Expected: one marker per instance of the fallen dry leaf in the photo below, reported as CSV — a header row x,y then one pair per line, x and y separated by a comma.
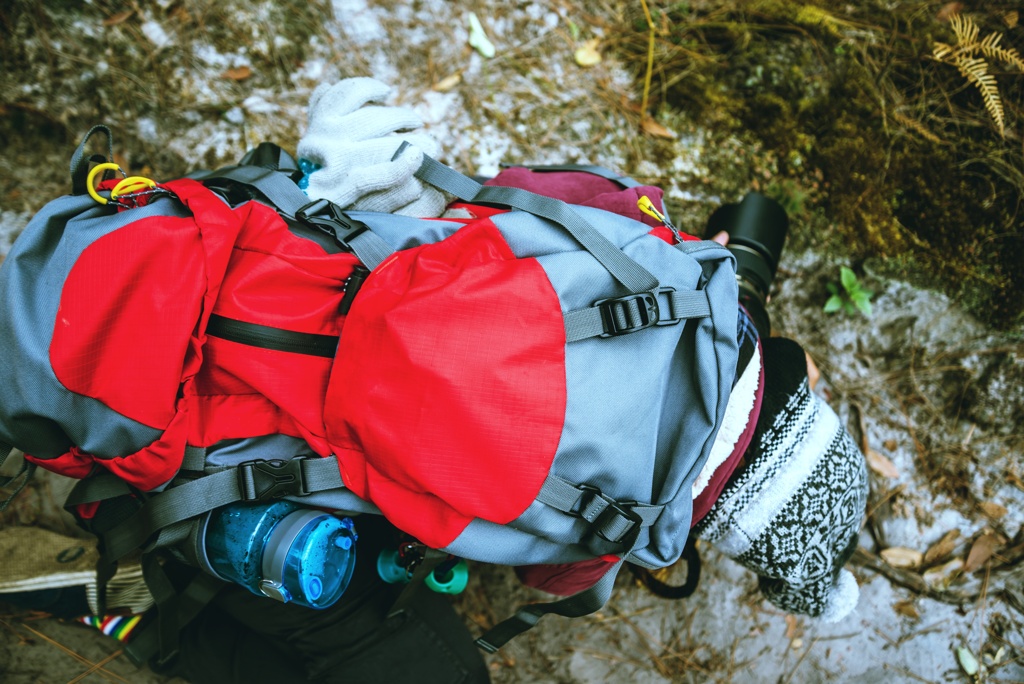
x,y
448,82
652,127
587,55
942,575
992,509
943,547
983,548
889,444
120,17
238,73
881,464
906,609
901,557
1012,18
793,627
967,661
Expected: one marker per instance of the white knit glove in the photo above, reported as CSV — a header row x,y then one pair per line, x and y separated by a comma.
x,y
354,142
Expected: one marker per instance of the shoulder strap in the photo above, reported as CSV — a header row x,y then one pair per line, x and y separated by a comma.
x,y
251,481
286,196
527,616
624,269
25,474
80,162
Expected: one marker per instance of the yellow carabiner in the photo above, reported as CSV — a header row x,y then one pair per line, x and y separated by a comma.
x,y
90,180
131,184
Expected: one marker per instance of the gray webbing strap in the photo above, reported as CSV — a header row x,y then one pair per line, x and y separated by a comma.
x,y
282,192
79,167
369,247
673,306
25,474
212,491
526,617
613,522
97,488
624,269
195,459
431,559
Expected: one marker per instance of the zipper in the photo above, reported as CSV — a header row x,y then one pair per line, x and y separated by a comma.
x,y
645,205
266,337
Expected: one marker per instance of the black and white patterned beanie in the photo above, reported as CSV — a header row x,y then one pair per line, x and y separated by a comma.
x,y
793,513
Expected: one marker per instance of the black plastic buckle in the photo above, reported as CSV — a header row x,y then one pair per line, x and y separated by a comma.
x,y
637,312
260,479
612,510
671,318
624,509
587,495
328,217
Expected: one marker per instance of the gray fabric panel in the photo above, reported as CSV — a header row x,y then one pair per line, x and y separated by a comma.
x,y
36,412
405,232
639,404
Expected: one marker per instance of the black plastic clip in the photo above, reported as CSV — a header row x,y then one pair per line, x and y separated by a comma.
x,y
260,479
328,217
352,285
628,535
607,515
628,314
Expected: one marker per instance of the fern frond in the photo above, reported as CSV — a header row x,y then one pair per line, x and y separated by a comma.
x,y
975,70
915,125
941,52
990,48
965,30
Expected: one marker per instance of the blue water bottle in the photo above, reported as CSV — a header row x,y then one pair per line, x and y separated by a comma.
x,y
282,550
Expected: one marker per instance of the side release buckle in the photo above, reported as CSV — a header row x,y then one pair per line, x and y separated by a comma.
x,y
328,217
261,479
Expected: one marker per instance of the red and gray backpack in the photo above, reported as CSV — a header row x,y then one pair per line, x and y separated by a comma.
x,y
537,383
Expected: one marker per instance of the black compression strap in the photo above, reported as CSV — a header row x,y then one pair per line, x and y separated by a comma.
x,y
526,617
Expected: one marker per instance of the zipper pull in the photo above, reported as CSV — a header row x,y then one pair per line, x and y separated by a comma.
x,y
352,285
645,205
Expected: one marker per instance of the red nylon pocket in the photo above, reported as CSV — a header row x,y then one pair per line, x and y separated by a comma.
x,y
447,398
277,279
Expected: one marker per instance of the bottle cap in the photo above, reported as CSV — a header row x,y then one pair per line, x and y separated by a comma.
x,y
309,558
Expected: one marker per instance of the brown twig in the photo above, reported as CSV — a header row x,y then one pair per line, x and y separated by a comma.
x,y
917,584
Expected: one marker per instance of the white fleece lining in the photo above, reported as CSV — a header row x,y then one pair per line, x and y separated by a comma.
x,y
737,416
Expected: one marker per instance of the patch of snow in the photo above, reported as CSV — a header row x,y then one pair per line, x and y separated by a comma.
x,y
156,34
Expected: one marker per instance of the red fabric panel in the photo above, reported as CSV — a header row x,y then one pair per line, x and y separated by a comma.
x,y
278,279
244,391
448,397
127,310
156,464
131,326
147,468
565,579
73,463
